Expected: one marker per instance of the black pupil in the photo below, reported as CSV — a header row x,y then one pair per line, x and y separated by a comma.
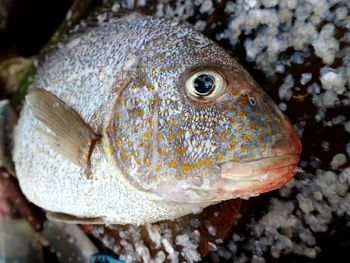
x,y
203,84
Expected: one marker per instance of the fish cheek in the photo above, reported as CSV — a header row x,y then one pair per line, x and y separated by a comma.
x,y
131,133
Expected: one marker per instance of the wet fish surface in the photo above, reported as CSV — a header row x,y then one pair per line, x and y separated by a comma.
x,y
140,119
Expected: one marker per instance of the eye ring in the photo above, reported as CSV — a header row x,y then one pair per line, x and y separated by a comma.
x,y
205,85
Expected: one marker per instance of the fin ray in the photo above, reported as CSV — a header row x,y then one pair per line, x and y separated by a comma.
x,y
65,218
69,135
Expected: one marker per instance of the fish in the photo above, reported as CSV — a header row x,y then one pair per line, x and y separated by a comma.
x,y
138,119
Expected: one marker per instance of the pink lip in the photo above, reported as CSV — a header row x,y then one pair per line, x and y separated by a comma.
x,y
256,177
232,170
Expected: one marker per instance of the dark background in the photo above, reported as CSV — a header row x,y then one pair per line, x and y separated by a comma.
x,y
27,25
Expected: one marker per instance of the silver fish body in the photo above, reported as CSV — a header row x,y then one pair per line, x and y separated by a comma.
x,y
165,149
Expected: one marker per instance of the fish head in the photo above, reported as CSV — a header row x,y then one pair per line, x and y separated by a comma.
x,y
194,127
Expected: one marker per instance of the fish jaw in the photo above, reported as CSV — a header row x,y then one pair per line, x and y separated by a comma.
x,y
255,177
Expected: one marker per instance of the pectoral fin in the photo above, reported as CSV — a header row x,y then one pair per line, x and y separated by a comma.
x,y
64,218
69,135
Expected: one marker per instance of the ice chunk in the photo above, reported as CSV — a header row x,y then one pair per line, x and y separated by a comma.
x,y
328,99
269,3
305,204
339,120
206,7
338,161
285,91
297,58
326,45
333,81
251,3
347,126
314,88
305,78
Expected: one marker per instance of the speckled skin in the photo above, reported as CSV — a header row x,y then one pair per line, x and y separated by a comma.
x,y
160,155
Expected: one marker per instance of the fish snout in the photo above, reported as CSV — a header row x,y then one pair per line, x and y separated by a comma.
x,y
289,143
253,177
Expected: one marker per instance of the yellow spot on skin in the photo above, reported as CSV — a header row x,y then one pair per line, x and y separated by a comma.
x,y
147,135
124,155
235,158
180,150
232,144
156,101
180,132
146,161
173,122
208,161
186,167
110,126
252,126
235,92
223,135
157,168
159,136
118,142
166,151
205,161
243,149
133,153
154,71
160,151
129,142
219,156
155,179
227,107
110,149
172,163
139,112
253,149
151,122
244,100
142,82
245,137
149,86
171,137
241,113
138,161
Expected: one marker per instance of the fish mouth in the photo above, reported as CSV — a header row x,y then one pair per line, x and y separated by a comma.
x,y
246,179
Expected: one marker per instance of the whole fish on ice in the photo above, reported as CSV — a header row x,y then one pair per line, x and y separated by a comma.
x,y
140,119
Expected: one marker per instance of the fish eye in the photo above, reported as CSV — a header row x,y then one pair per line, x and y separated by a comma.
x,y
205,85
